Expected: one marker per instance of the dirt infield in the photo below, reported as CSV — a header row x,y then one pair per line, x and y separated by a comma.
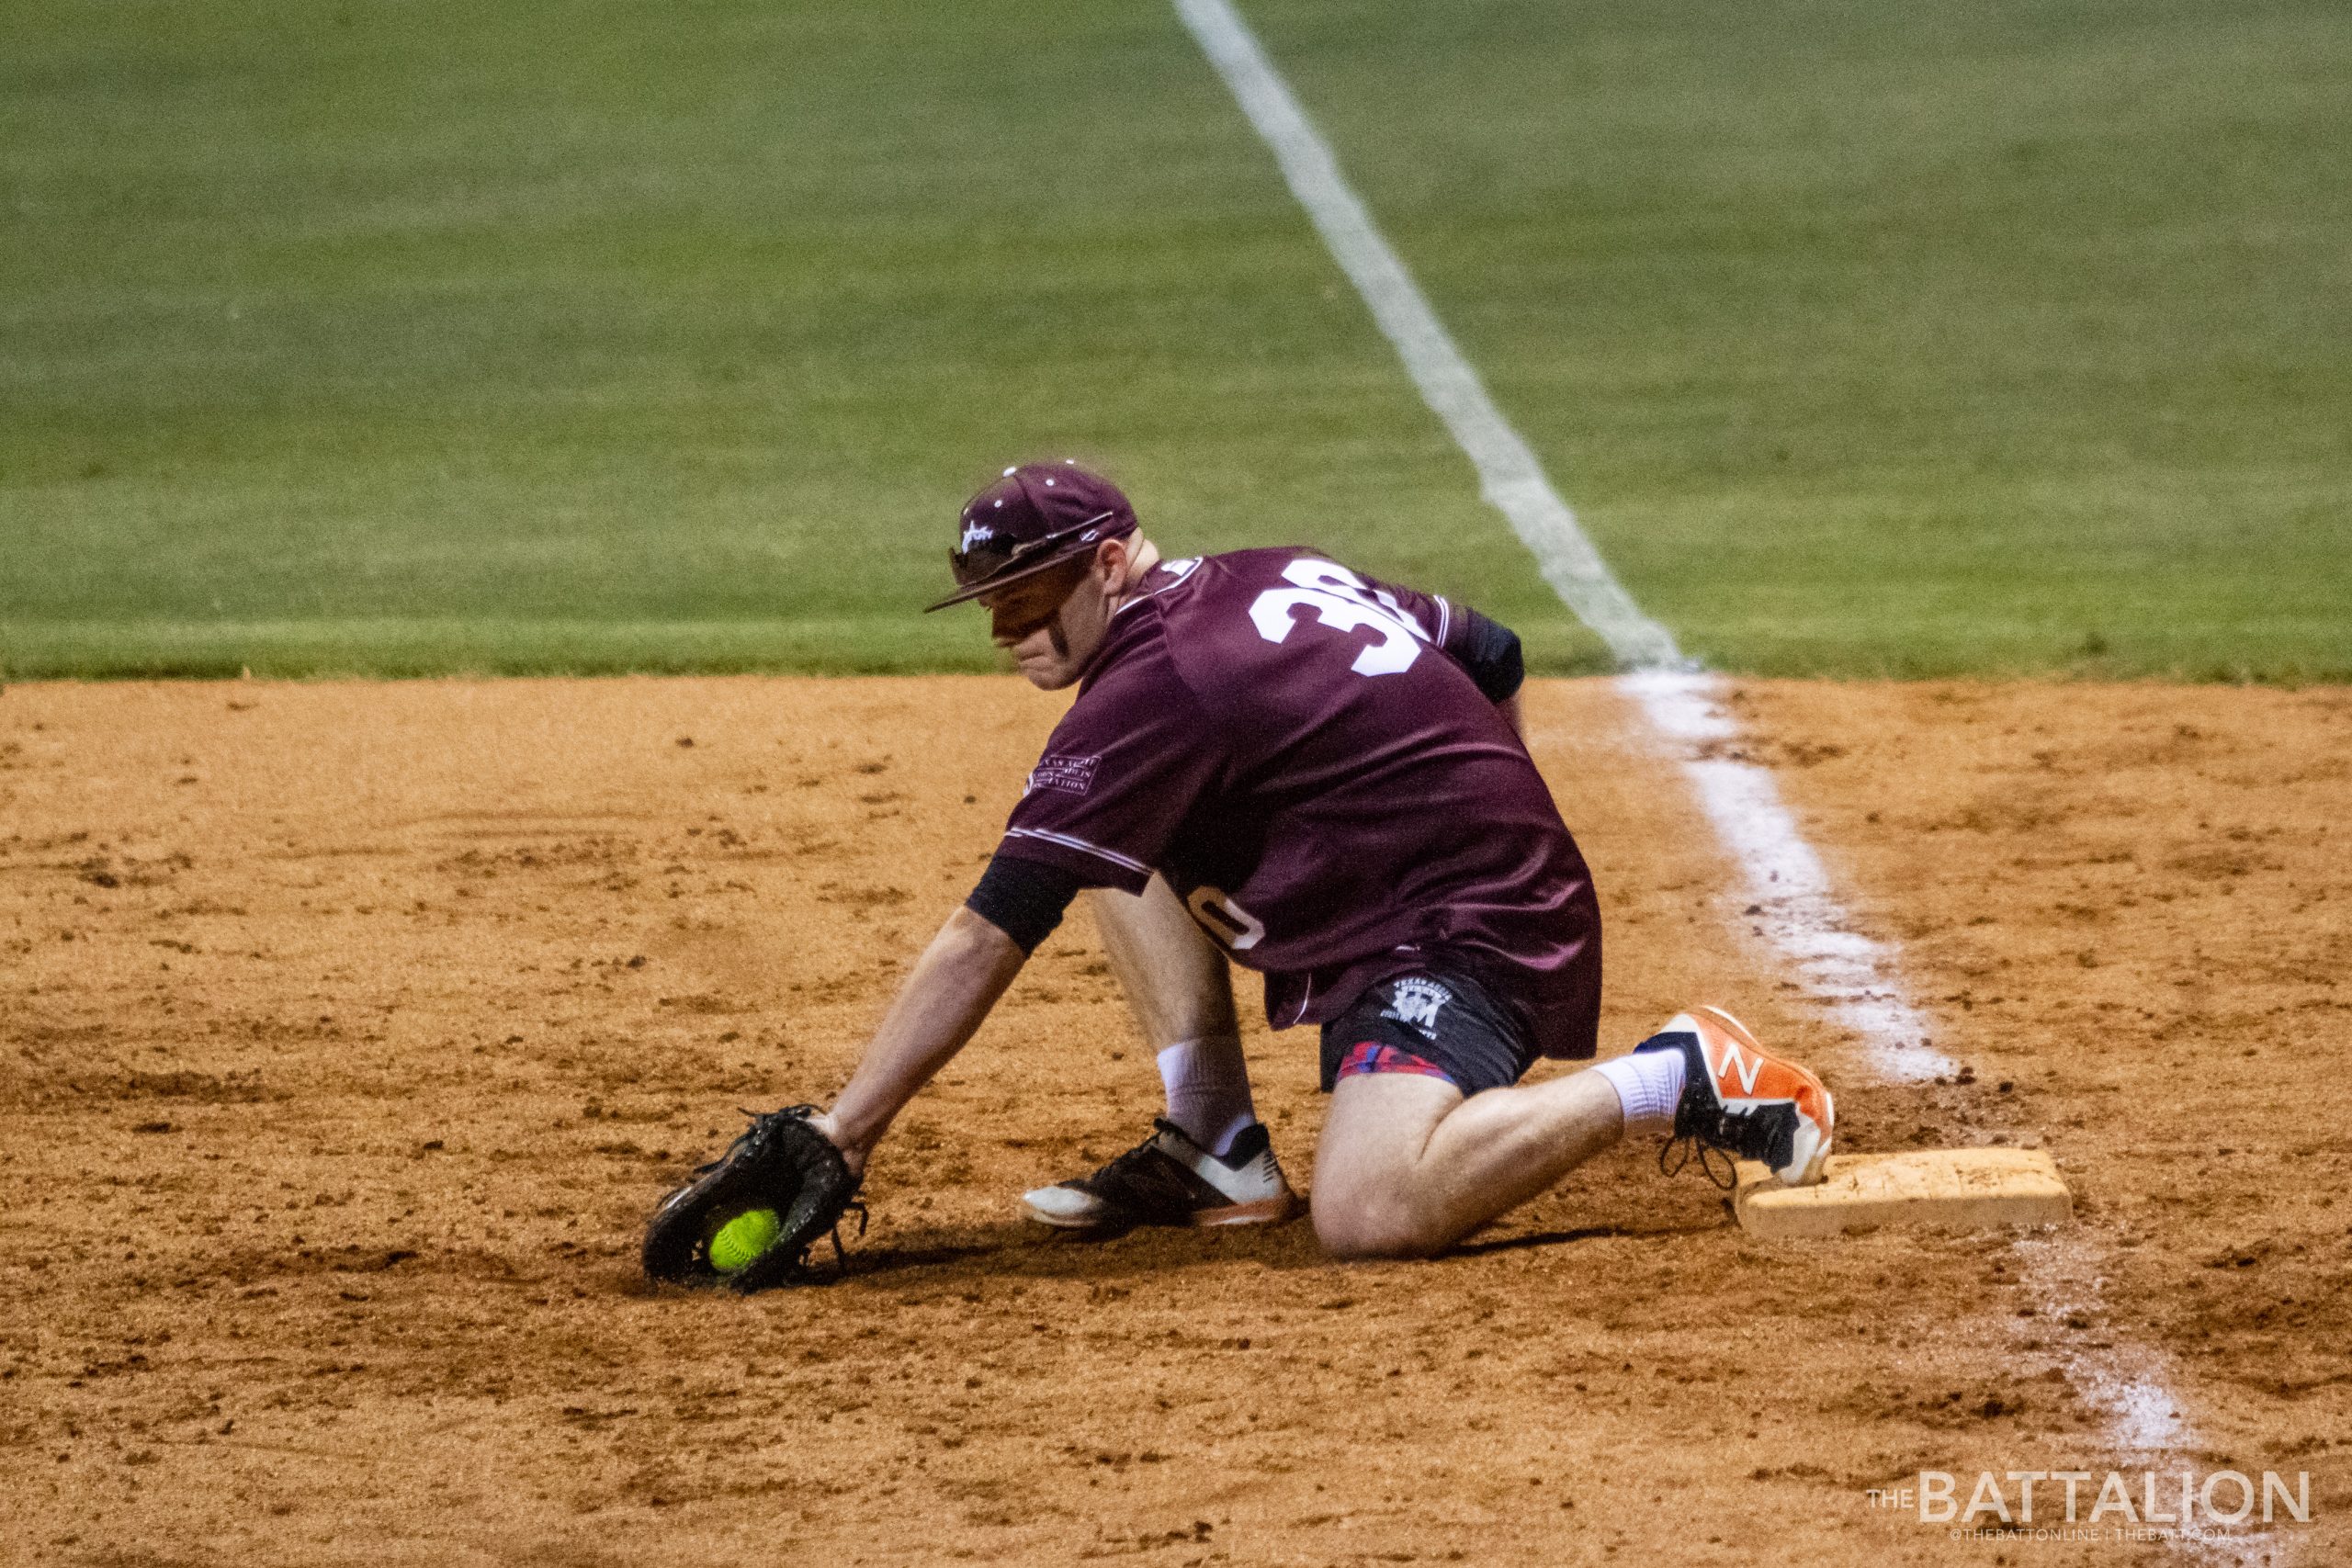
x,y
348,1032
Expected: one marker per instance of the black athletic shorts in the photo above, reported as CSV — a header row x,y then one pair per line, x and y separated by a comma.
x,y
1439,1022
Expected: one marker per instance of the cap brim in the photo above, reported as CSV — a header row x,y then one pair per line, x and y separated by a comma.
x,y
1003,578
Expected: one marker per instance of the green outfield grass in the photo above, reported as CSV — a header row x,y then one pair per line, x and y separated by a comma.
x,y
412,338
1874,338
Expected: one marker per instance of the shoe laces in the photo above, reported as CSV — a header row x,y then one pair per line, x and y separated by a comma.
x,y
1142,1154
1147,1170
1709,1135
1714,1161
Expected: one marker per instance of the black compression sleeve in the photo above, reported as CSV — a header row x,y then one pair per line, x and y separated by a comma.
x,y
1491,654
1023,899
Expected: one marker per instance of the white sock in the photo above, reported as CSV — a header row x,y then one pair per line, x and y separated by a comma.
x,y
1649,1085
1208,1091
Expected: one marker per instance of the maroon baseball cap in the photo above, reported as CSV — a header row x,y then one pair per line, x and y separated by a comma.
x,y
1038,516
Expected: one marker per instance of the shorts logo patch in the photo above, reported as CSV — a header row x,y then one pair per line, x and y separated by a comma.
x,y
1070,775
1413,1002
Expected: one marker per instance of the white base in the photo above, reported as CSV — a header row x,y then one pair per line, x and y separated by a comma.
x,y
1937,1189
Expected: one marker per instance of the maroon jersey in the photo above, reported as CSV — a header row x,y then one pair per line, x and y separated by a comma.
x,y
1300,750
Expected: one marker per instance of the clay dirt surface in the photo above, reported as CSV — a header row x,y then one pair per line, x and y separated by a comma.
x,y
348,1032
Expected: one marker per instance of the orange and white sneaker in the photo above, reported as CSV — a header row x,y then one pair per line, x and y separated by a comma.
x,y
1740,1100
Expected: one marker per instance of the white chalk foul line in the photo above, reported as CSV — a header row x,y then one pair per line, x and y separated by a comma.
x,y
1788,891
1796,907
1508,475
1796,910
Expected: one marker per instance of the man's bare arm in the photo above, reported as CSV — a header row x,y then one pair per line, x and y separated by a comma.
x,y
954,983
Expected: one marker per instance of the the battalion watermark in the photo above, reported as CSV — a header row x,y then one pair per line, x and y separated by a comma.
x,y
2086,1505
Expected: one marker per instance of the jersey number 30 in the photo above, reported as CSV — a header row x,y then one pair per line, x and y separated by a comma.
x,y
1343,601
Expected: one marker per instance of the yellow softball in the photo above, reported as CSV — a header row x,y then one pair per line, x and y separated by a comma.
x,y
743,1238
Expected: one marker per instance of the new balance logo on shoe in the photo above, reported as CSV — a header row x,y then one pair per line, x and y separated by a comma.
x,y
1745,1067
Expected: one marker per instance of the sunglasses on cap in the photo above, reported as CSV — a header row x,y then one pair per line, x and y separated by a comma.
x,y
991,562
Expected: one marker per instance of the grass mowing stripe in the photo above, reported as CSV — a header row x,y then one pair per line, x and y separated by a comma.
x,y
512,318
1858,328
1996,339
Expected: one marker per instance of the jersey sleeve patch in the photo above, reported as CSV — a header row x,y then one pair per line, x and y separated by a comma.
x,y
1070,775
1125,767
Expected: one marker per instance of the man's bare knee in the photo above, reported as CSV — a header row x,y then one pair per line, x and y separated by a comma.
x,y
1388,1226
1370,1197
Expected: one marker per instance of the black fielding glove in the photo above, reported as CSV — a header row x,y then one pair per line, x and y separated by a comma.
x,y
781,1163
